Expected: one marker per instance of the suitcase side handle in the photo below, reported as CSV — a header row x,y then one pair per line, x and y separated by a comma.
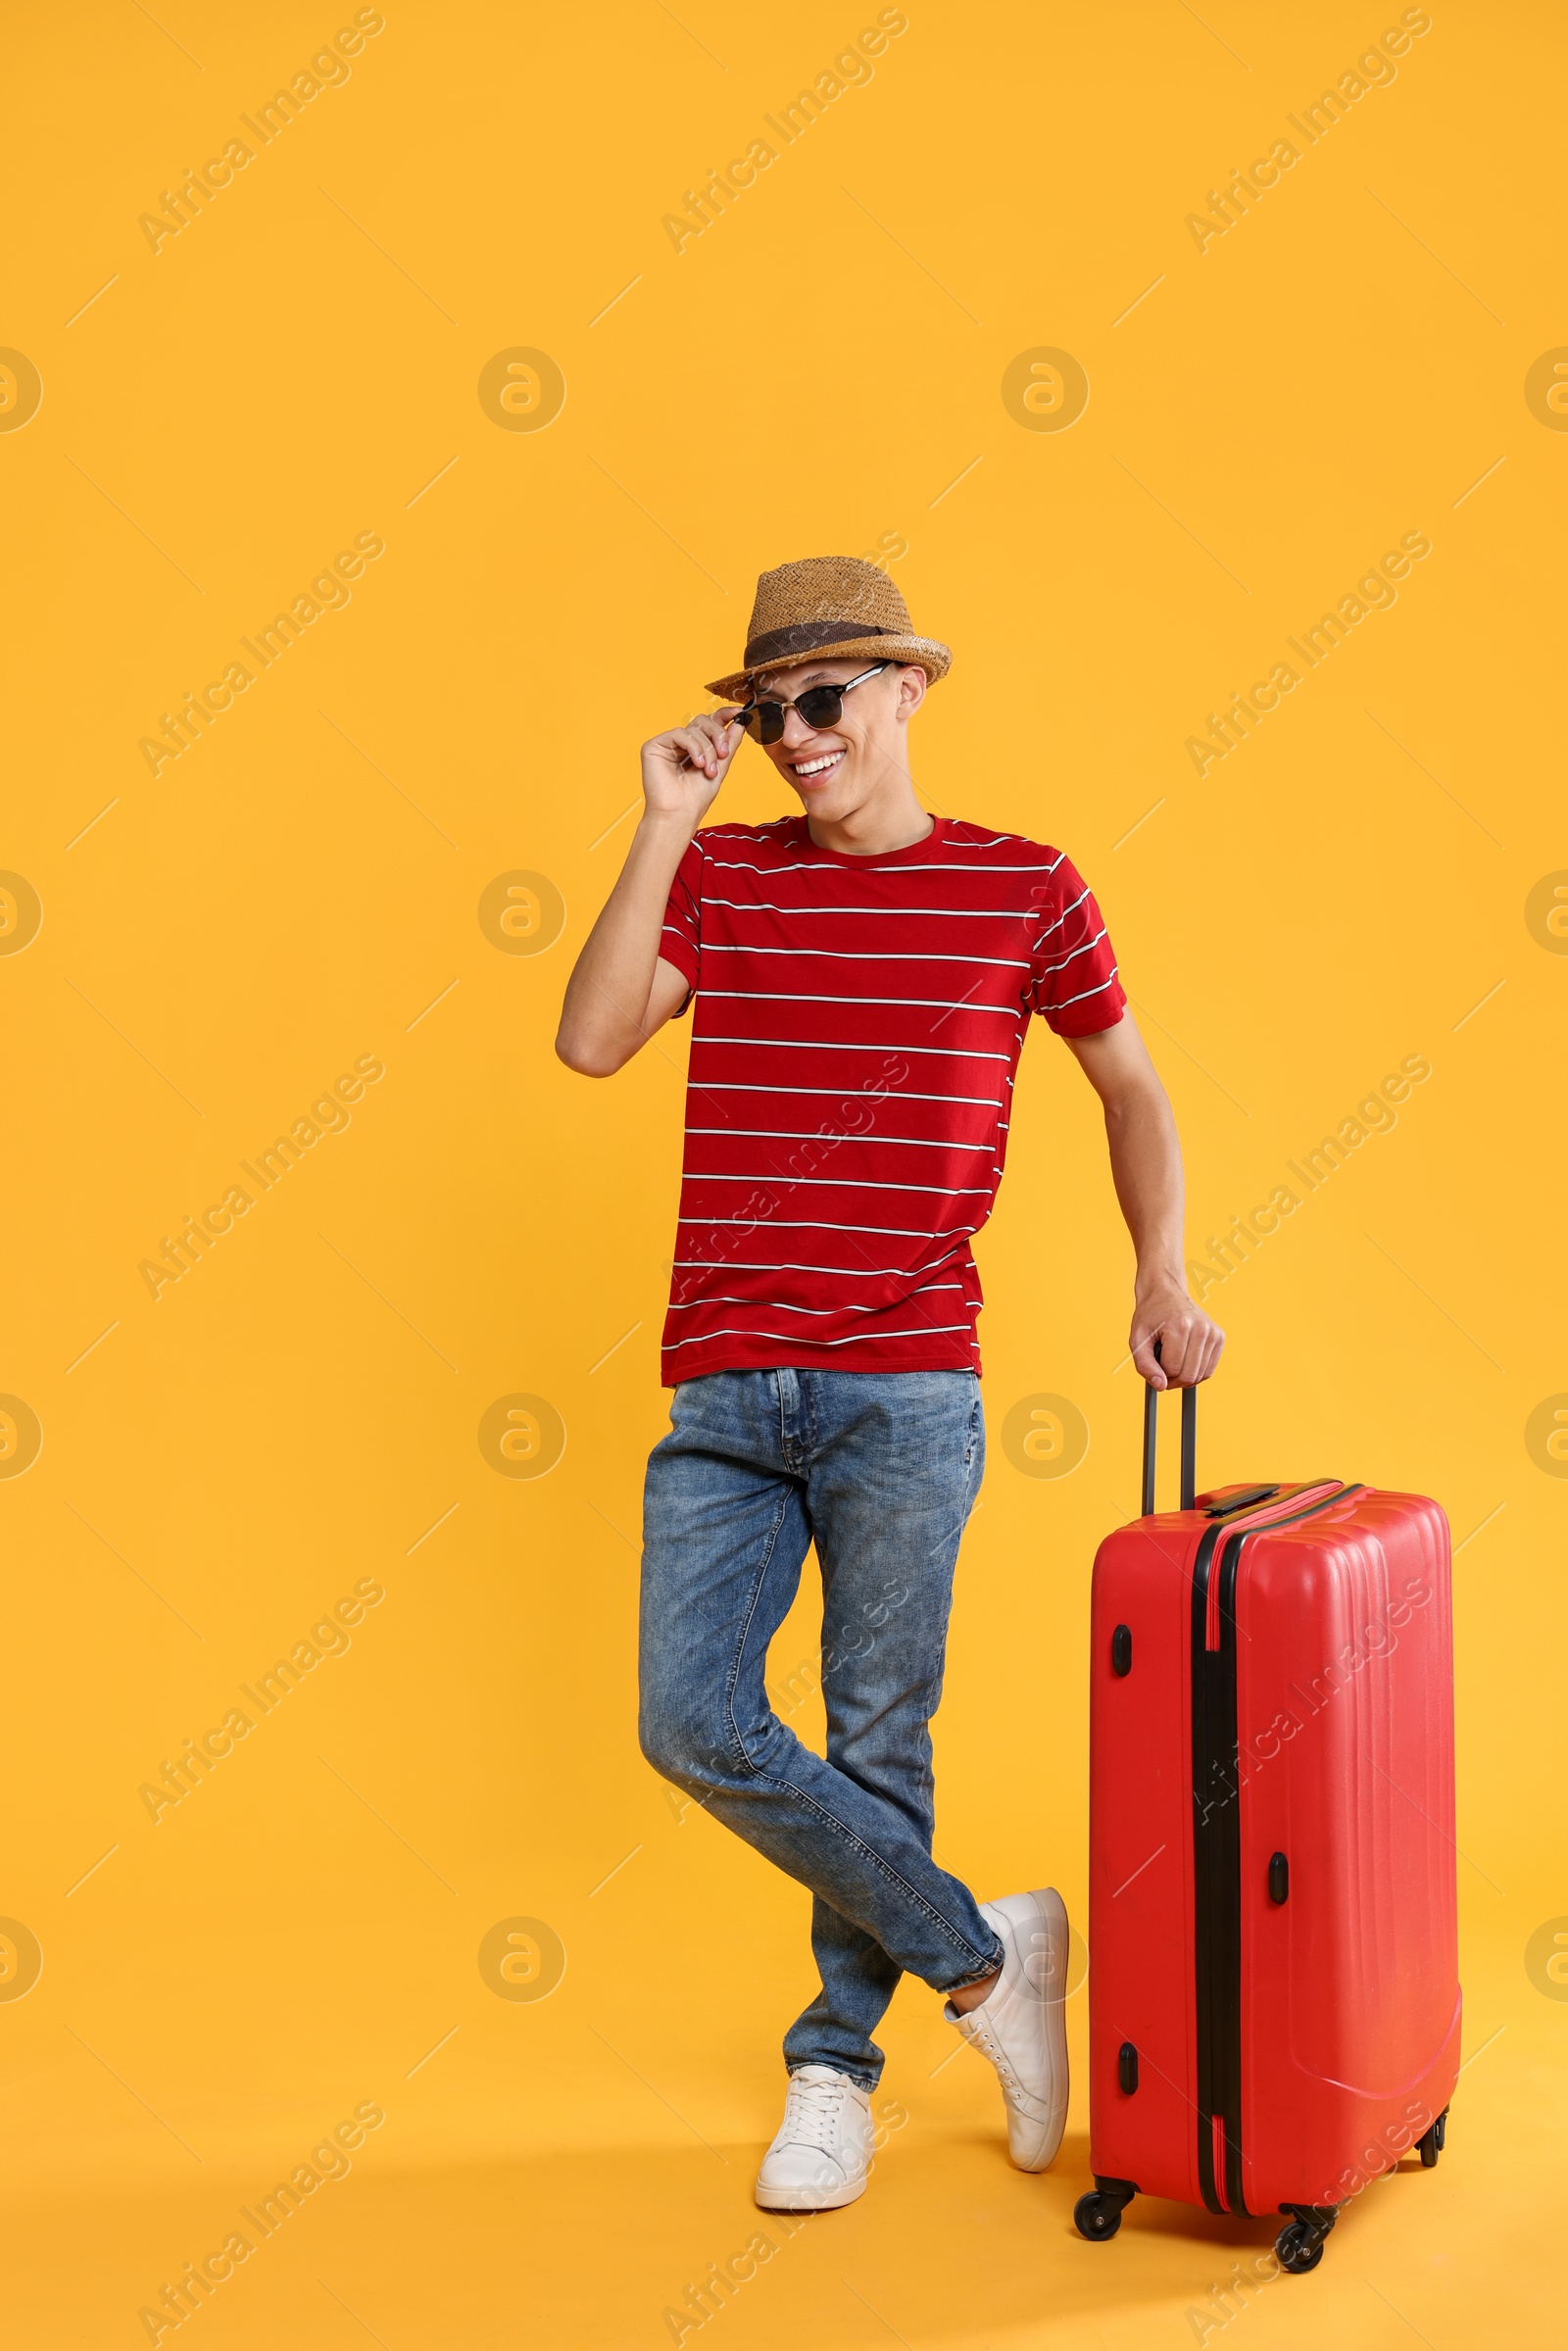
x,y
1246,1500
1189,1485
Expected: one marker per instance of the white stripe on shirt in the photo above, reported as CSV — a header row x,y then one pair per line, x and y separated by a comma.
x,y
846,955
825,1224
1079,998
929,1143
984,1102
817,1045
1072,955
1062,917
930,1004
782,1305
699,1175
765,905
869,865
850,1273
920,1330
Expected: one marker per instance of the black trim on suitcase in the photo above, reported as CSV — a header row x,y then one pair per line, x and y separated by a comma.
x,y
1217,1854
1212,1758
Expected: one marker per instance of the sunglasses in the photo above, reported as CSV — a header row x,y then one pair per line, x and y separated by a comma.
x,y
818,706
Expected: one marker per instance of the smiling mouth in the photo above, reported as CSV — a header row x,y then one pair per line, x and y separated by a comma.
x,y
816,771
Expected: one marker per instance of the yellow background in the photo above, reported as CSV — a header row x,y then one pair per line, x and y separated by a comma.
x,y
297,890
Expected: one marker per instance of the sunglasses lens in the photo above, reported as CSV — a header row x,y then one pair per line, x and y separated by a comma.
x,y
821,706
766,720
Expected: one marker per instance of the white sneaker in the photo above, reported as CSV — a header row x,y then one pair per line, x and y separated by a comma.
x,y
822,2153
1021,2022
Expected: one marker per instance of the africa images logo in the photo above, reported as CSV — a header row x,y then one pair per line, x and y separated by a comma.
x,y
329,69
850,70
328,1114
330,592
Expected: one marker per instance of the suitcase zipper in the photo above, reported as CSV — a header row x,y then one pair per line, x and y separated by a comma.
x,y
1216,1846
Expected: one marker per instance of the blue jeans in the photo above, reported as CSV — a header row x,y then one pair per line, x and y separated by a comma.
x,y
880,1471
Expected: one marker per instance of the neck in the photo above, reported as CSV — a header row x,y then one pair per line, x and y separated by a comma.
x,y
891,820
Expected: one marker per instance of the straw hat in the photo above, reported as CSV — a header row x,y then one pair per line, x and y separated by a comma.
x,y
834,608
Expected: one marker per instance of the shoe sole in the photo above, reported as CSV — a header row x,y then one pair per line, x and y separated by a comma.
x,y
808,2199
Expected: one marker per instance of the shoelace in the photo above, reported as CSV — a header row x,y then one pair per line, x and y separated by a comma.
x,y
811,2110
999,2057
1026,2101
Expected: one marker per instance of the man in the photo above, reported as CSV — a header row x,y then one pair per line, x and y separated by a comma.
x,y
863,977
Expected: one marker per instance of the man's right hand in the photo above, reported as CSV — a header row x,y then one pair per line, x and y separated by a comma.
x,y
682,770
622,989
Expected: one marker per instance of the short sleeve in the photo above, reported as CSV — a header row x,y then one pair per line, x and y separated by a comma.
x,y
681,939
1072,976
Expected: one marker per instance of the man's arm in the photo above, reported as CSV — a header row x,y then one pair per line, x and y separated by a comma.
x,y
1146,1164
622,989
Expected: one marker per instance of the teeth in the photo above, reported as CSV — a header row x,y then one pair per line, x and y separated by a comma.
x,y
815,766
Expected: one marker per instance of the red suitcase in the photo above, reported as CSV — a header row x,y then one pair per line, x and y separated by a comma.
x,y
1273,1987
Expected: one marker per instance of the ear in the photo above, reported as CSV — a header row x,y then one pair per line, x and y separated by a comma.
x,y
912,684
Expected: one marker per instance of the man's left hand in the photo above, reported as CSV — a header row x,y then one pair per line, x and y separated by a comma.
x,y
1190,1343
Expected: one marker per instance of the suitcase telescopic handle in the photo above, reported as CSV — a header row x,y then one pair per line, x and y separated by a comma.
x,y
1188,1486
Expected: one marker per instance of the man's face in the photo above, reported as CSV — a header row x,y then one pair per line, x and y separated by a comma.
x,y
836,769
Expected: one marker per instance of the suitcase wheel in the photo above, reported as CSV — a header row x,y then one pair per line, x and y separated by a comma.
x,y
1430,2143
1099,2216
1095,2218
1299,2247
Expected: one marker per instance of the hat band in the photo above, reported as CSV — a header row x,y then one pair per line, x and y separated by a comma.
x,y
806,636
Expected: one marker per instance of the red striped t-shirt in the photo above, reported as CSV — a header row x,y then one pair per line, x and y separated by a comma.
x,y
857,1025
